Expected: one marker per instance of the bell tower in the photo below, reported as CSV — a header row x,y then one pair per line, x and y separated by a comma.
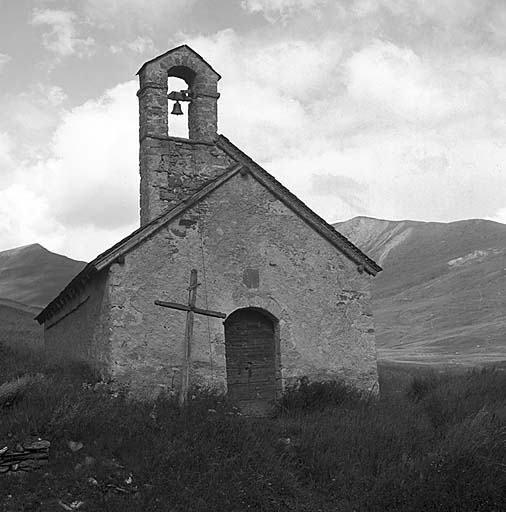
x,y
172,168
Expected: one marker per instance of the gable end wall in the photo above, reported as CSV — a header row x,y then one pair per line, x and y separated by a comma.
x,y
318,295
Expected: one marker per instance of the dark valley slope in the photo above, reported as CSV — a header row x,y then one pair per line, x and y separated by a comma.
x,y
30,277
441,296
18,328
33,276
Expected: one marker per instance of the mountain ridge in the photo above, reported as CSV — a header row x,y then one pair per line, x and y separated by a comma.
x,y
441,294
32,275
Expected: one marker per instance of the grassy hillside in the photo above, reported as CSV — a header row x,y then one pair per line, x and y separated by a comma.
x,y
442,293
33,275
18,327
438,444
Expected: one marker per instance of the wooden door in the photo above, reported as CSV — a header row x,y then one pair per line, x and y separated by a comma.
x,y
250,354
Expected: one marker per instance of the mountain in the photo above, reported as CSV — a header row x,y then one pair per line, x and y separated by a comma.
x,y
442,293
33,276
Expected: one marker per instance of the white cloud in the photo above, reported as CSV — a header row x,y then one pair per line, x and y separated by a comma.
x,y
4,59
63,37
396,130
398,82
274,10
31,116
93,170
84,196
499,215
265,89
136,13
421,139
6,157
55,95
141,44
26,218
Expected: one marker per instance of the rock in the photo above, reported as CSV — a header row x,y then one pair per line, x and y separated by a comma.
x,y
89,461
29,465
3,450
37,445
71,506
17,457
92,481
75,446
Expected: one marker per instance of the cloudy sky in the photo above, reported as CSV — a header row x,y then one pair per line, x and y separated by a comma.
x,y
387,108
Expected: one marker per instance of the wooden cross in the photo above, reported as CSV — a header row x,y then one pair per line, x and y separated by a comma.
x,y
190,309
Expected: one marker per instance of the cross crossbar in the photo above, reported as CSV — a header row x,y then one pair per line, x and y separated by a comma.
x,y
190,309
184,307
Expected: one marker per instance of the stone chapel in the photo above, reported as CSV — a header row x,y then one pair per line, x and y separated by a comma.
x,y
274,292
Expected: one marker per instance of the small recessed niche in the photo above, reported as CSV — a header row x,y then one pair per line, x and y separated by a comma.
x,y
178,125
251,277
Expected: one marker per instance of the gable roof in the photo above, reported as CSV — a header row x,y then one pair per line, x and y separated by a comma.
x,y
244,164
183,47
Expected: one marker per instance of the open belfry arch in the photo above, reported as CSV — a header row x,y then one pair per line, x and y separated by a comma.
x,y
183,167
275,293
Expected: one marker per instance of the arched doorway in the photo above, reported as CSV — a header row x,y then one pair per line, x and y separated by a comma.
x,y
250,347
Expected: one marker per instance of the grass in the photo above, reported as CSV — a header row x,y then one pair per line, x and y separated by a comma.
x,y
439,444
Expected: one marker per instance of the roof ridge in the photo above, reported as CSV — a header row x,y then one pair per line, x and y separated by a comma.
x,y
373,266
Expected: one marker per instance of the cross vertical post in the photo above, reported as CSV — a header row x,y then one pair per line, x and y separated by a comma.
x,y
190,309
188,337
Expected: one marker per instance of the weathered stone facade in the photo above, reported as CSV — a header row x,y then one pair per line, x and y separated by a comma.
x,y
319,298
253,244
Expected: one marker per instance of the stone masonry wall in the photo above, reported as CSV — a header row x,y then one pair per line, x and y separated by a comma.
x,y
321,300
26,457
80,330
173,169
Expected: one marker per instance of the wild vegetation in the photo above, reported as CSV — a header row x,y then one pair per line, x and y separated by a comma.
x,y
436,444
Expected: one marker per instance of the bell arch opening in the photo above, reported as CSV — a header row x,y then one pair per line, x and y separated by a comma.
x,y
252,359
178,122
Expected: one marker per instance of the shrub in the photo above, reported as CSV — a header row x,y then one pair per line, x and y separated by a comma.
x,y
420,386
306,396
14,390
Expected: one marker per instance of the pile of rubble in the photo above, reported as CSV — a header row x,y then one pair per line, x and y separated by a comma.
x,y
29,456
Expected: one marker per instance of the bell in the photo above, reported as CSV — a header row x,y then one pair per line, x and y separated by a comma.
x,y
176,109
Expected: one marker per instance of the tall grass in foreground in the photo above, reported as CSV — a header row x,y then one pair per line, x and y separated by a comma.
x,y
438,446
